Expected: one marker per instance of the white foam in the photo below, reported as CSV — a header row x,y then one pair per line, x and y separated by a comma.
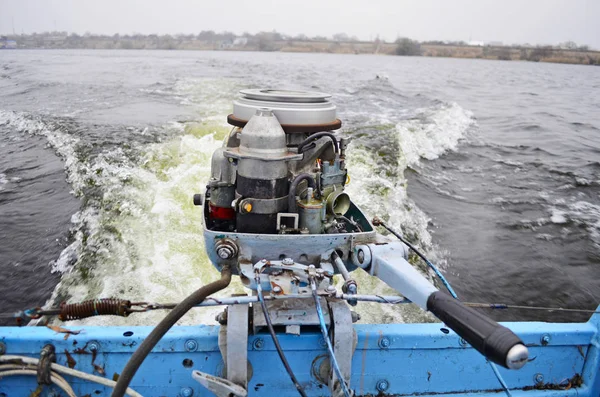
x,y
433,131
3,181
142,238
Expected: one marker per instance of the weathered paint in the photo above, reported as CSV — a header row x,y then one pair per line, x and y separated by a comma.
x,y
420,359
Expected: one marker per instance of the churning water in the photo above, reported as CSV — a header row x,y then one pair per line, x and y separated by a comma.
x,y
492,167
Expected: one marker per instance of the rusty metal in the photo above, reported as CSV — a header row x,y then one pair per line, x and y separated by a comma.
x,y
96,307
293,128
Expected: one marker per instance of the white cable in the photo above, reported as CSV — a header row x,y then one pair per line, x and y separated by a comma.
x,y
31,367
71,372
60,382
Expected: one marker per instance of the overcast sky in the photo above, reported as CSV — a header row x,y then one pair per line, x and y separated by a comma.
x,y
509,21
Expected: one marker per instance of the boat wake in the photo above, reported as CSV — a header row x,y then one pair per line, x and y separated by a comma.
x,y
138,235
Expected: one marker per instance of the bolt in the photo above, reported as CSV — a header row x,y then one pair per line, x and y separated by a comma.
x,y
93,346
258,344
545,339
191,345
288,261
538,378
382,385
355,316
352,289
384,343
463,342
276,289
186,392
331,289
224,253
2,348
263,261
361,256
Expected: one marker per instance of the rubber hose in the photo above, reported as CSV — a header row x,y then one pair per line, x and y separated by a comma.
x,y
294,186
161,329
319,135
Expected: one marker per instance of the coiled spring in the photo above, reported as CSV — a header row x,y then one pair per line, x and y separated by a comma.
x,y
96,307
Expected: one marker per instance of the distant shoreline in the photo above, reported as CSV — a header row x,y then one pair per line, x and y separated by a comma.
x,y
267,42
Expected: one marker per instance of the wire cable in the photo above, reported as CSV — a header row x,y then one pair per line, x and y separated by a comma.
x,y
378,222
10,359
334,362
60,382
284,361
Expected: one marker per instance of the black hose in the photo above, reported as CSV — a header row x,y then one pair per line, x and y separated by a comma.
x,y
294,186
317,136
161,329
284,361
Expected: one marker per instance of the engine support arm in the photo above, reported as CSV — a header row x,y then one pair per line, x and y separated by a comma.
x,y
496,342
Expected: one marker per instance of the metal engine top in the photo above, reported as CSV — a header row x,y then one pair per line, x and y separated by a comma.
x,y
297,111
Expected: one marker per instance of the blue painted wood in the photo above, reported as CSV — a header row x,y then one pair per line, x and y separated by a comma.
x,y
420,359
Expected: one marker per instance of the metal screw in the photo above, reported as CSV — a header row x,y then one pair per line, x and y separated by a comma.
x,y
463,342
538,378
277,289
322,342
331,289
382,385
361,256
545,339
263,261
258,343
2,348
191,345
93,346
287,261
186,392
224,253
384,343
355,316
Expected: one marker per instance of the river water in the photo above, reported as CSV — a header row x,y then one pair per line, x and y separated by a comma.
x,y
493,168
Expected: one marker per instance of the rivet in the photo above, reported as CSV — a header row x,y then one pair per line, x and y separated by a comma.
x,y
191,345
186,392
463,342
382,385
2,348
545,339
384,343
258,343
538,378
93,346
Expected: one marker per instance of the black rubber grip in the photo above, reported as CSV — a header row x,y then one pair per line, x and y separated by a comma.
x,y
487,336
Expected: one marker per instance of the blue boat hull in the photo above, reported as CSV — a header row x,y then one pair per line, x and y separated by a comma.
x,y
419,359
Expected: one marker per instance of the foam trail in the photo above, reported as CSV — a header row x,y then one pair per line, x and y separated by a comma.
x,y
139,237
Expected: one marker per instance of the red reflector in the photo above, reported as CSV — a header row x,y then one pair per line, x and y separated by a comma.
x,y
221,212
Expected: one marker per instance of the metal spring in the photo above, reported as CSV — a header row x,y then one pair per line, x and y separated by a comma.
x,y
96,307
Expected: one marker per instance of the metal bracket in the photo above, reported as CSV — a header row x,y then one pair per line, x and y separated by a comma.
x,y
287,215
344,343
233,344
221,387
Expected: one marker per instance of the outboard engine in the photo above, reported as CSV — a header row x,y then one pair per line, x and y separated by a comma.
x,y
276,214
280,170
